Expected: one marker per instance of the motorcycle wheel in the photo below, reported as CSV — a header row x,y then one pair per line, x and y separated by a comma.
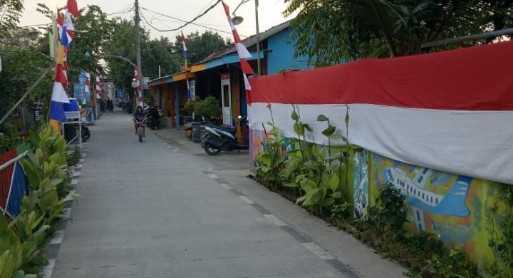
x,y
211,150
86,134
140,133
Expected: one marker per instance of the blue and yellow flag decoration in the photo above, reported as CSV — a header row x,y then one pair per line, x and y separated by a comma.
x,y
63,39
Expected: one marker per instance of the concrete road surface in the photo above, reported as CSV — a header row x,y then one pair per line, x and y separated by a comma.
x,y
158,209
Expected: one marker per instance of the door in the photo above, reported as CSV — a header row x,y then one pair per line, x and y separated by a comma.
x,y
226,99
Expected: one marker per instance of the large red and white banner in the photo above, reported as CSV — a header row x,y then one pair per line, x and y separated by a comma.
x,y
451,111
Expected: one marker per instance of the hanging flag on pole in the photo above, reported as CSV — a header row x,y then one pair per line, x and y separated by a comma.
x,y
241,48
73,8
68,22
185,51
63,34
13,185
185,54
59,97
242,51
64,28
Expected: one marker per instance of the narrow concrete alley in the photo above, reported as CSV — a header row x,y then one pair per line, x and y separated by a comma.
x,y
158,209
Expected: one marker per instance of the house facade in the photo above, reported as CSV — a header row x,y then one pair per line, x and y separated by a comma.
x,y
219,75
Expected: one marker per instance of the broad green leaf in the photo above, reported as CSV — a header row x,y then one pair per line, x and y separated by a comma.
x,y
328,132
299,129
313,197
294,116
322,118
334,182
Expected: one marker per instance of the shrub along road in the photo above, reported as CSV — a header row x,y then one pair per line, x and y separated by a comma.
x,y
164,210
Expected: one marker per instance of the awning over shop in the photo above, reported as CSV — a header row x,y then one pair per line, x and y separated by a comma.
x,y
231,58
227,59
172,78
162,80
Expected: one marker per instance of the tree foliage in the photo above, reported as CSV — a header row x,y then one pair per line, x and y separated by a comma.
x,y
94,31
24,59
10,12
160,52
25,52
201,45
333,30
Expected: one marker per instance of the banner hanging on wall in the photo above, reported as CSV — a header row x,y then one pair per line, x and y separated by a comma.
x,y
450,111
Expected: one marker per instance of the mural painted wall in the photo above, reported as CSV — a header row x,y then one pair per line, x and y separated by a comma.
x,y
456,208
459,209
360,177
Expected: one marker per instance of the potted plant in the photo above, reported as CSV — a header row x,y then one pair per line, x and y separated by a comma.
x,y
207,110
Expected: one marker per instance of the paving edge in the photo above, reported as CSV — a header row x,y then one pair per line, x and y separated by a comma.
x,y
303,239
53,247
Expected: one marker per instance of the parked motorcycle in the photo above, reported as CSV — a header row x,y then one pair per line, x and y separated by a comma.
x,y
217,139
153,115
70,133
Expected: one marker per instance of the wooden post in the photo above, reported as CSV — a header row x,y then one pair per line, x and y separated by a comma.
x,y
177,108
236,104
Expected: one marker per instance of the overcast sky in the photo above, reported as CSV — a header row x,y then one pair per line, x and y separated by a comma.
x,y
270,13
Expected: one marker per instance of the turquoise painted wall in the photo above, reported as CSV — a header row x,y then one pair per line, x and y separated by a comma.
x,y
281,55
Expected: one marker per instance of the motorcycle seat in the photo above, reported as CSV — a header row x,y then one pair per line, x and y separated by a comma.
x,y
228,129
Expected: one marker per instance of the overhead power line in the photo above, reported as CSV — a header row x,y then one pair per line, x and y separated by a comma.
x,y
177,19
35,25
121,12
186,23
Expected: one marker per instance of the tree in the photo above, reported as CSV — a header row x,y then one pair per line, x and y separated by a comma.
x,y
22,65
330,31
10,12
94,32
121,43
201,45
160,52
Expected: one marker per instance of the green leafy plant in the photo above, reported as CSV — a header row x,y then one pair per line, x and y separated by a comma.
x,y
343,211
271,161
312,171
188,107
22,240
74,157
389,215
501,231
208,108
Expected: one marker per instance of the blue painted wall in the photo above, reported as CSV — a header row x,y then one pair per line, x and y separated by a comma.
x,y
281,56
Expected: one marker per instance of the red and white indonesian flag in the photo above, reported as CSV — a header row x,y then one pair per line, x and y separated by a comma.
x,y
451,111
72,8
242,51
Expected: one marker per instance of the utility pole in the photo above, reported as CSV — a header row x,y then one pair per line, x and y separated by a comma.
x,y
137,20
259,65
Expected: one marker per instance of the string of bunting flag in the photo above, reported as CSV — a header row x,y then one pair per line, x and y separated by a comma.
x,y
64,33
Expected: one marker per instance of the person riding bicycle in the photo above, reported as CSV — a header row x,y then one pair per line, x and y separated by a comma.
x,y
138,116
